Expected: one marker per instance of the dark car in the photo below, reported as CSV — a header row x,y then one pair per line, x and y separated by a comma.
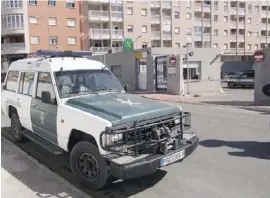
x,y
266,89
3,76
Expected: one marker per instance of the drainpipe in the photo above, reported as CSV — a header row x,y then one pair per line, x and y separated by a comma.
x,y
237,18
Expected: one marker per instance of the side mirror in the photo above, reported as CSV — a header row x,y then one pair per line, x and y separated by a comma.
x,y
46,97
266,89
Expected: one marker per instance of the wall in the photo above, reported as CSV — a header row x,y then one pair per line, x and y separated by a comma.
x,y
127,61
208,71
262,77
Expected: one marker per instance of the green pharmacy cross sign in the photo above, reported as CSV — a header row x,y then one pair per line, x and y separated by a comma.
x,y
128,44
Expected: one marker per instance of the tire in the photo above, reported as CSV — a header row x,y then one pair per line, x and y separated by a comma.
x,y
16,128
85,152
231,84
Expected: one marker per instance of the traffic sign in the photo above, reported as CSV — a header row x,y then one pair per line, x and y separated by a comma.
x,y
258,56
128,44
172,60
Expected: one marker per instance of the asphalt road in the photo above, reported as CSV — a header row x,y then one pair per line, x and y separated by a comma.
x,y
233,160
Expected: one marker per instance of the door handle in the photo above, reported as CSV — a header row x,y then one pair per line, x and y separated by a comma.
x,y
34,105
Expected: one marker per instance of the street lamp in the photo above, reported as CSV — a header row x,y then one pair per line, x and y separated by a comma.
x,y
48,30
136,40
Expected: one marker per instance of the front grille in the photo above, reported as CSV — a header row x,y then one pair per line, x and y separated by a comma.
x,y
144,135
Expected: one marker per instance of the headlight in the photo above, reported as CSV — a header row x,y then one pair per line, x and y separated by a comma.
x,y
177,121
110,139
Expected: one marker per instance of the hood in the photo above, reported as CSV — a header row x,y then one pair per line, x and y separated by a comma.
x,y
121,108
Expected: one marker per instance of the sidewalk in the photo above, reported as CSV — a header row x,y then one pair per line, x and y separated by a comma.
x,y
23,177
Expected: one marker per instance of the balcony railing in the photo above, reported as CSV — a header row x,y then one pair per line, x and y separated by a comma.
x,y
167,35
99,14
166,18
117,34
206,35
166,4
155,34
206,21
14,48
155,3
104,50
206,8
100,33
11,4
197,6
155,18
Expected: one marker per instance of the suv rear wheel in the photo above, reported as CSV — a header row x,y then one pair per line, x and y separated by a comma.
x,y
231,84
88,166
16,128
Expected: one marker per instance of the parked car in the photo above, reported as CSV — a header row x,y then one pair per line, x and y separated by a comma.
x,y
266,89
246,79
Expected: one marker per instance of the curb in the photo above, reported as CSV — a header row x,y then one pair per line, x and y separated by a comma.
x,y
43,167
257,109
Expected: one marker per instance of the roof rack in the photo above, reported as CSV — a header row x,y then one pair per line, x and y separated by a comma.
x,y
57,53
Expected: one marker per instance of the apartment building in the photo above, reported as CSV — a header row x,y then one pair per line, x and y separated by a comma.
x,y
236,27
31,25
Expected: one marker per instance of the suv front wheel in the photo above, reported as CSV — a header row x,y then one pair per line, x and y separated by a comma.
x,y
88,166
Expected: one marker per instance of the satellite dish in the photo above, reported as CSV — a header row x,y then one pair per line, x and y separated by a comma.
x,y
266,89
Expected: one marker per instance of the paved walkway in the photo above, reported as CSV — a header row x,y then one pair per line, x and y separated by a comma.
x,y
23,177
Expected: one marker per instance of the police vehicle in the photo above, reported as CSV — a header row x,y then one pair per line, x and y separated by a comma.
x,y
67,103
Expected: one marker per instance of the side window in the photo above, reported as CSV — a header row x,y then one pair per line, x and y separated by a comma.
x,y
12,80
250,75
244,76
27,83
44,83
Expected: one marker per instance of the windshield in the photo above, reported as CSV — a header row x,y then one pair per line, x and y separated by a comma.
x,y
77,82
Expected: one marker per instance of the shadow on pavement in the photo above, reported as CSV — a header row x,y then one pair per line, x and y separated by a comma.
x,y
60,165
230,103
260,150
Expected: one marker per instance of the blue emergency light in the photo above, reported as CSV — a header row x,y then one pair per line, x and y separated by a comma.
x,y
56,53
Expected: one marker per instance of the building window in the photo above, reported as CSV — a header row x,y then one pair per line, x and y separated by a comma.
x,y
194,70
225,46
71,22
177,3
130,11
130,28
12,80
12,4
52,21
12,21
215,45
188,16
70,4
51,3
144,28
144,45
32,2
249,33
33,20
188,4
256,46
226,32
226,18
177,14
144,12
177,30
216,32
249,20
27,83
53,40
144,1
257,8
177,45
72,40
249,46
188,31
249,8
216,18
34,40
216,5
225,6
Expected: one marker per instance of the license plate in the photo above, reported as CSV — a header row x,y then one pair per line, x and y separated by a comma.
x,y
172,158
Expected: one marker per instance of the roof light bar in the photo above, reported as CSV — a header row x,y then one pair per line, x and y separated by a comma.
x,y
56,53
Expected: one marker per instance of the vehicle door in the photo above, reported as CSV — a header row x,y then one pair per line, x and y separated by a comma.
x,y
44,108
241,80
25,94
250,79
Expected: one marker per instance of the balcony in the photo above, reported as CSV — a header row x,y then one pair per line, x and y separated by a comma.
x,y
198,7
117,34
99,1
11,6
155,35
206,8
207,22
155,4
155,19
264,14
241,24
206,36
97,15
13,48
116,16
100,34
241,11
167,36
167,19
198,36
104,50
167,4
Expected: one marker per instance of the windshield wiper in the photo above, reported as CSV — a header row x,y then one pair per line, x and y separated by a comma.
x,y
106,90
78,93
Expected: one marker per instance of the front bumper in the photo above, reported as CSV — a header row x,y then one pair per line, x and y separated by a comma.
x,y
150,164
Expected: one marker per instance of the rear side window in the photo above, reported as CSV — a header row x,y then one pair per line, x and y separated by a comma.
x,y
44,83
12,80
27,83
